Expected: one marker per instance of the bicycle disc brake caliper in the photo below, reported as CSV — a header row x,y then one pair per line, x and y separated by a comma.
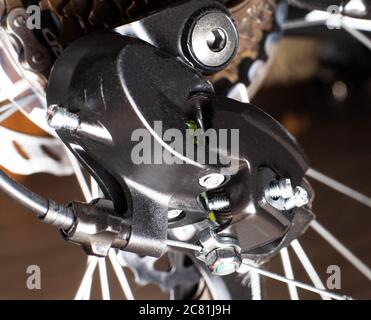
x,y
144,120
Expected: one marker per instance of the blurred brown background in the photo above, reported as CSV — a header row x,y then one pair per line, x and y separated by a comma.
x,y
333,129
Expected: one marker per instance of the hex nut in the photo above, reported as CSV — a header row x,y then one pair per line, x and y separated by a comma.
x,y
223,261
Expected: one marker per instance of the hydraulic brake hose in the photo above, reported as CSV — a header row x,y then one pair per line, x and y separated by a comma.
x,y
47,210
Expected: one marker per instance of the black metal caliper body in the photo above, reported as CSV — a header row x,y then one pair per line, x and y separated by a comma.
x,y
124,87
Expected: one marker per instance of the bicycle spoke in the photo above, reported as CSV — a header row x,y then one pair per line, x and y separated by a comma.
x,y
338,21
125,286
333,184
183,245
289,273
256,292
9,90
104,279
85,286
80,176
295,283
86,295
312,273
357,35
302,23
345,252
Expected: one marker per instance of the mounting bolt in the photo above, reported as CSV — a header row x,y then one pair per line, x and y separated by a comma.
x,y
223,261
218,203
213,40
19,21
280,189
282,196
60,118
37,57
211,181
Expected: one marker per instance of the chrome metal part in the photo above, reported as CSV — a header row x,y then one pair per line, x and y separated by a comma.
x,y
282,196
213,39
36,57
60,118
212,181
221,253
146,272
97,229
223,261
218,203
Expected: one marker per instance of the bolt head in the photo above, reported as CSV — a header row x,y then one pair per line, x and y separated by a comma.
x,y
212,181
213,40
37,57
19,21
223,261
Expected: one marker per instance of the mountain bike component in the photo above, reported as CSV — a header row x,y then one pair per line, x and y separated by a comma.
x,y
315,4
186,279
145,192
211,181
35,57
356,8
221,253
258,23
213,40
282,196
200,32
96,228
60,118
62,23
93,226
146,273
47,210
26,154
218,202
223,261
176,94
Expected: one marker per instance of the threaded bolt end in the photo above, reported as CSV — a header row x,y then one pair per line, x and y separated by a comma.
x,y
218,203
60,118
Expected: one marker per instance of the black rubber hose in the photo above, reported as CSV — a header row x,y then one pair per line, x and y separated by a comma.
x,y
46,210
